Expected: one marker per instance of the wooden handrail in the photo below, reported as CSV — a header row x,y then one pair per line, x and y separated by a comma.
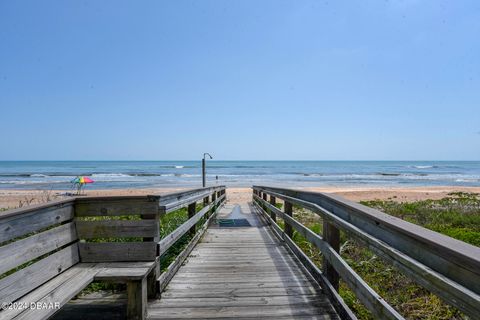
x,y
187,199
371,227
175,235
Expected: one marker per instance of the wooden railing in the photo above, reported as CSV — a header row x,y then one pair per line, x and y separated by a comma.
x,y
447,267
212,199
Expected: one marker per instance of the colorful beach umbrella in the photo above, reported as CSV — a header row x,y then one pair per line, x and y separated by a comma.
x,y
82,180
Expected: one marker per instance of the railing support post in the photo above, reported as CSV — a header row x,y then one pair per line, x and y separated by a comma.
x,y
214,198
273,202
264,197
332,236
191,212
288,209
205,200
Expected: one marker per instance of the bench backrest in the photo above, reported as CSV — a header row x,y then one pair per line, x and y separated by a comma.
x,y
117,228
39,242
36,244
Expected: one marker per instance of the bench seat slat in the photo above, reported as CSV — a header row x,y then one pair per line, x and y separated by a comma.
x,y
47,288
17,253
121,274
60,294
25,280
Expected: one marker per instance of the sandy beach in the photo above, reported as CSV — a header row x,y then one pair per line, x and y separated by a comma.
x,y
11,198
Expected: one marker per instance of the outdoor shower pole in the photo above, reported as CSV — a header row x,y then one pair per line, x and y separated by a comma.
x,y
204,170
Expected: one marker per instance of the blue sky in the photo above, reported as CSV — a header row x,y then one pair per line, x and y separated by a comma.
x,y
326,80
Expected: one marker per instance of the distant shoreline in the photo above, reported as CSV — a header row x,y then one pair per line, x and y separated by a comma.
x,y
10,198
57,175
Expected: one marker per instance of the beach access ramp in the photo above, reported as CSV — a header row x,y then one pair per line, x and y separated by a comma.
x,y
195,254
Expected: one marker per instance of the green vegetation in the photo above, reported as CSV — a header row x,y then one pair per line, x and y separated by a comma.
x,y
457,216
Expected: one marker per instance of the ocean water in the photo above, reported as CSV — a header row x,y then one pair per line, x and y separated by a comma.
x,y
155,174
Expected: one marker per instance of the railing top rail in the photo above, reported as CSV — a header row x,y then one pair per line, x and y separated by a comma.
x,y
182,193
35,207
176,200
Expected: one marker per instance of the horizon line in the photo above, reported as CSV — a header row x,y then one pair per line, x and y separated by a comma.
x,y
250,160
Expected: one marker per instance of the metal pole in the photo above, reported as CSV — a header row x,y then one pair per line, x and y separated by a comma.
x,y
203,173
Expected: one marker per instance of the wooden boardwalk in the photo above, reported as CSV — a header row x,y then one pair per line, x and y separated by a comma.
x,y
241,273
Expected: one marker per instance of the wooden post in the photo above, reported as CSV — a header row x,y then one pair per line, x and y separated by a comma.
x,y
264,197
152,283
191,212
273,202
288,209
205,200
332,236
214,198
137,299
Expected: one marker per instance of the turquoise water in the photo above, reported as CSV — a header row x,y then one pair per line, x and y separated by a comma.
x,y
141,174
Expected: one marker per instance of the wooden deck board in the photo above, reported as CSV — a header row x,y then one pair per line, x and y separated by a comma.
x,y
241,273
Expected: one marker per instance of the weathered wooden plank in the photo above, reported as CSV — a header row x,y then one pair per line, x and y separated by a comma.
x,y
241,292
61,295
21,282
124,275
254,278
50,286
234,268
116,229
183,202
130,264
206,286
25,221
236,301
246,311
239,263
244,258
176,196
169,203
17,253
117,251
115,206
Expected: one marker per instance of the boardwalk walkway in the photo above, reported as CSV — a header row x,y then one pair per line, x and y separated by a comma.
x,y
241,273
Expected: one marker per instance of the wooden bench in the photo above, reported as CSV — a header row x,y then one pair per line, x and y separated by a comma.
x,y
49,253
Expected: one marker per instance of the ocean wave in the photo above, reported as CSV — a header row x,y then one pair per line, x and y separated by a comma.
x,y
38,175
424,167
14,175
27,182
176,167
110,175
